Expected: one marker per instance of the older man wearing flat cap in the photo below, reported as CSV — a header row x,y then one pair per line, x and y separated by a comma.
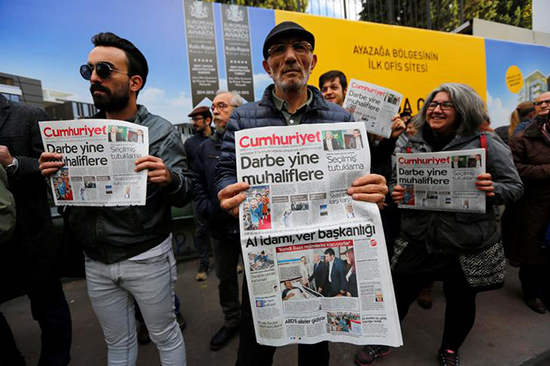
x,y
289,60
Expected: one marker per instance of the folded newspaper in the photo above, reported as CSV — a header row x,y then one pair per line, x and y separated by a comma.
x,y
442,181
99,158
373,105
316,260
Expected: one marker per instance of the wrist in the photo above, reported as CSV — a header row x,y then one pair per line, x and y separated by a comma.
x,y
11,168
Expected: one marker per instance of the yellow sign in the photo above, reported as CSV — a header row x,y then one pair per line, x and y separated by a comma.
x,y
514,79
410,61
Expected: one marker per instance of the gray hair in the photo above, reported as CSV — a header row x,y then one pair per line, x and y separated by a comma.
x,y
470,109
236,99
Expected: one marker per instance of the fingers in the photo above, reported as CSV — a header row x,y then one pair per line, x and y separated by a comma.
x,y
485,176
49,163
369,188
485,184
157,171
149,162
232,196
397,194
397,127
161,176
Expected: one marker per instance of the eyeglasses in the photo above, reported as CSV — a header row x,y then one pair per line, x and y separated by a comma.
x,y
102,69
541,102
196,118
221,106
300,48
445,106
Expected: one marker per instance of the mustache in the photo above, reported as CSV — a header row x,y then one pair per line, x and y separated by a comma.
x,y
98,87
291,69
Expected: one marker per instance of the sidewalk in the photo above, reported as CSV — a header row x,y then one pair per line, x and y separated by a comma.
x,y
506,333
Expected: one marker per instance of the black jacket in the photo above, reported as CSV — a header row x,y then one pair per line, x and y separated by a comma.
x,y
113,234
26,259
205,194
264,114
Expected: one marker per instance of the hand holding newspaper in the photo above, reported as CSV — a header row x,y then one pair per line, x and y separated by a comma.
x,y
442,181
316,261
373,105
98,157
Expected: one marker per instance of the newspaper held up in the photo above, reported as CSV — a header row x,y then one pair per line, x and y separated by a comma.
x,y
442,181
316,260
373,105
99,158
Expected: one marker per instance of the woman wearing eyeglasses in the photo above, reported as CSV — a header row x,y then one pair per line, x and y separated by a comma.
x,y
461,249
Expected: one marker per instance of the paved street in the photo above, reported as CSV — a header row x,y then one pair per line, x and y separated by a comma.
x,y
506,333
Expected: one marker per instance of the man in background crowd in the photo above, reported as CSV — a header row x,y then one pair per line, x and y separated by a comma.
x,y
202,120
27,260
334,86
223,227
542,108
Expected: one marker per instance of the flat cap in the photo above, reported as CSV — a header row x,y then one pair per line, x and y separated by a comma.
x,y
287,29
202,111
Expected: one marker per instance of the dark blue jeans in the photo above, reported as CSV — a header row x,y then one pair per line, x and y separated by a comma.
x,y
201,237
50,309
226,255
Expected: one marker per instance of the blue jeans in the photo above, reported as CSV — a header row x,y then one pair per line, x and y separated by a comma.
x,y
112,289
201,237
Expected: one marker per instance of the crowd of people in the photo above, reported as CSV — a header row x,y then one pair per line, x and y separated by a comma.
x,y
130,264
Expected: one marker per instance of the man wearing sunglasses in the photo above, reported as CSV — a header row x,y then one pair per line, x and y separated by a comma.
x,y
129,248
542,108
289,61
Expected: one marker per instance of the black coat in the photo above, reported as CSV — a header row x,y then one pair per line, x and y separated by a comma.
x,y
205,194
27,259
320,275
525,222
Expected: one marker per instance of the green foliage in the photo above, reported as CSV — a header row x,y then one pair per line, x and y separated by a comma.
x,y
291,5
446,15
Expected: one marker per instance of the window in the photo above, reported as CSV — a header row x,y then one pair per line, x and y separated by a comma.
x,y
6,81
75,110
14,98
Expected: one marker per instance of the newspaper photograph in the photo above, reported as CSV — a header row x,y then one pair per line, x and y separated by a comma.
x,y
442,181
99,158
373,105
316,260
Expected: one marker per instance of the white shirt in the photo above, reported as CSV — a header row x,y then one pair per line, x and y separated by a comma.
x,y
162,248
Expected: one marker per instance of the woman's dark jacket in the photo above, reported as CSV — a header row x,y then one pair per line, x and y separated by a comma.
x,y
462,232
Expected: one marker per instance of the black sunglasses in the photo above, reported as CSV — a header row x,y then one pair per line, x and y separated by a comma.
x,y
102,69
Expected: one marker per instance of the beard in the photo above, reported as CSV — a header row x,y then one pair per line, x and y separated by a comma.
x,y
292,85
110,101
219,125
